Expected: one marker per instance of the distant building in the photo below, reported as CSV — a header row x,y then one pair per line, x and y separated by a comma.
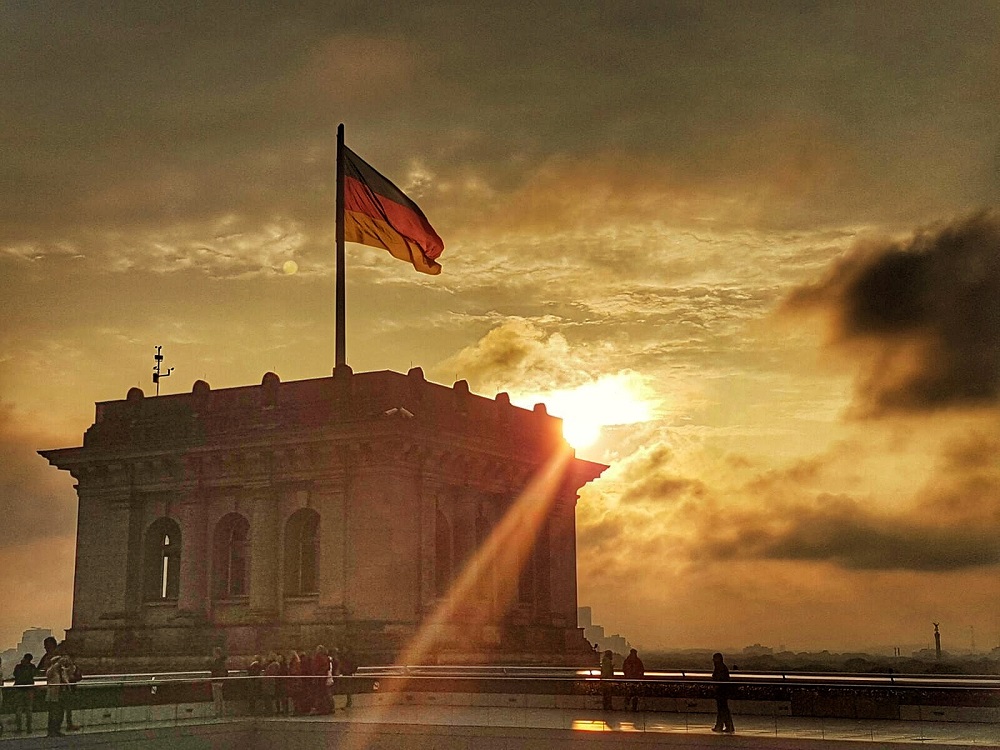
x,y
32,640
594,634
616,643
30,643
757,650
337,510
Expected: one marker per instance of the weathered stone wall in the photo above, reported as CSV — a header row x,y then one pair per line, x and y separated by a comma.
x,y
384,459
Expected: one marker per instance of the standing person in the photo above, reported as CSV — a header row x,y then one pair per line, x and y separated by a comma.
x,y
254,671
347,668
720,674
49,644
334,682
23,696
73,676
281,692
607,674
271,671
55,680
218,671
296,688
320,692
633,669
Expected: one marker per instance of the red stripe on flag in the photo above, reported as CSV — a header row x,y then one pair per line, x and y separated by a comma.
x,y
368,230
414,227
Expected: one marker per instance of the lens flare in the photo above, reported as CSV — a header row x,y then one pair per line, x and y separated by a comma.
x,y
609,400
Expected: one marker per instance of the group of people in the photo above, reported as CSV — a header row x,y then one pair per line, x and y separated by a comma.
x,y
60,672
301,683
634,669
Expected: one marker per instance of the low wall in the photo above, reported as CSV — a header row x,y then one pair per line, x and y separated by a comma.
x,y
241,735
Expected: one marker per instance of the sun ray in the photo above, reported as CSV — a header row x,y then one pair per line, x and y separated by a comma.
x,y
503,553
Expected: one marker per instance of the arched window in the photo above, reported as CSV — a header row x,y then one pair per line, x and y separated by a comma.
x,y
232,552
442,554
163,560
302,553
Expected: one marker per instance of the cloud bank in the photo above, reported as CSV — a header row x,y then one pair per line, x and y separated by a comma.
x,y
922,314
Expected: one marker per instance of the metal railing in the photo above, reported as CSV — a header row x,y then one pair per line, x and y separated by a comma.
x,y
117,701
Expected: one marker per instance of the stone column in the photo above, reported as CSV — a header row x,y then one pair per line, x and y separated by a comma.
x,y
330,501
106,556
562,560
106,594
543,570
192,600
264,556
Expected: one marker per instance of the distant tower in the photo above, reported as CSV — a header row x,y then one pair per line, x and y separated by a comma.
x,y
937,641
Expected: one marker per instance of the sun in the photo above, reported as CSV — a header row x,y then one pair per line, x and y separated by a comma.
x,y
609,400
580,432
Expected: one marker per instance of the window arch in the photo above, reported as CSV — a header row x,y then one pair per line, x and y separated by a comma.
x,y
163,560
232,552
302,553
442,554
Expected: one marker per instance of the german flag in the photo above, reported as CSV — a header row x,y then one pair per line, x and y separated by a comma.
x,y
379,214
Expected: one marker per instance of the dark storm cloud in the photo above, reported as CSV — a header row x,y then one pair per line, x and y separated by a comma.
x,y
159,117
924,314
841,531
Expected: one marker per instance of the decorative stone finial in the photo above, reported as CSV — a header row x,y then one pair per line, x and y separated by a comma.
x,y
200,388
270,379
135,394
416,372
461,386
503,398
540,409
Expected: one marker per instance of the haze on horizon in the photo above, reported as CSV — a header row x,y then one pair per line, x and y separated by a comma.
x,y
768,233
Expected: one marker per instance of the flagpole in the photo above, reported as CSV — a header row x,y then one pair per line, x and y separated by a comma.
x,y
341,355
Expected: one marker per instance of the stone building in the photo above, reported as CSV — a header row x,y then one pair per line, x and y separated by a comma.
x,y
336,510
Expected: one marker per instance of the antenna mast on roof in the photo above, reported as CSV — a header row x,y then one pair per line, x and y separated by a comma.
x,y
158,357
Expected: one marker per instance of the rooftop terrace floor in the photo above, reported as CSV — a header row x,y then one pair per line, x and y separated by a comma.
x,y
506,728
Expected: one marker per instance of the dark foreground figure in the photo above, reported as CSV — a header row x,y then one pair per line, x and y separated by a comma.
x,y
720,674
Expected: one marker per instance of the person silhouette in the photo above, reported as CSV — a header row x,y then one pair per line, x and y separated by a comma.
x,y
633,669
723,717
607,674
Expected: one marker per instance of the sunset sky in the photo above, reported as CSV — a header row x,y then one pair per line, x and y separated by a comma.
x,y
763,236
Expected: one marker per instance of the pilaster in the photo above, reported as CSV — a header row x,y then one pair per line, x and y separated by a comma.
x,y
562,559
264,554
431,489
192,600
106,556
331,504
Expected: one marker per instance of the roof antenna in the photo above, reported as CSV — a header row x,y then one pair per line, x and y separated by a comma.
x,y
158,357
